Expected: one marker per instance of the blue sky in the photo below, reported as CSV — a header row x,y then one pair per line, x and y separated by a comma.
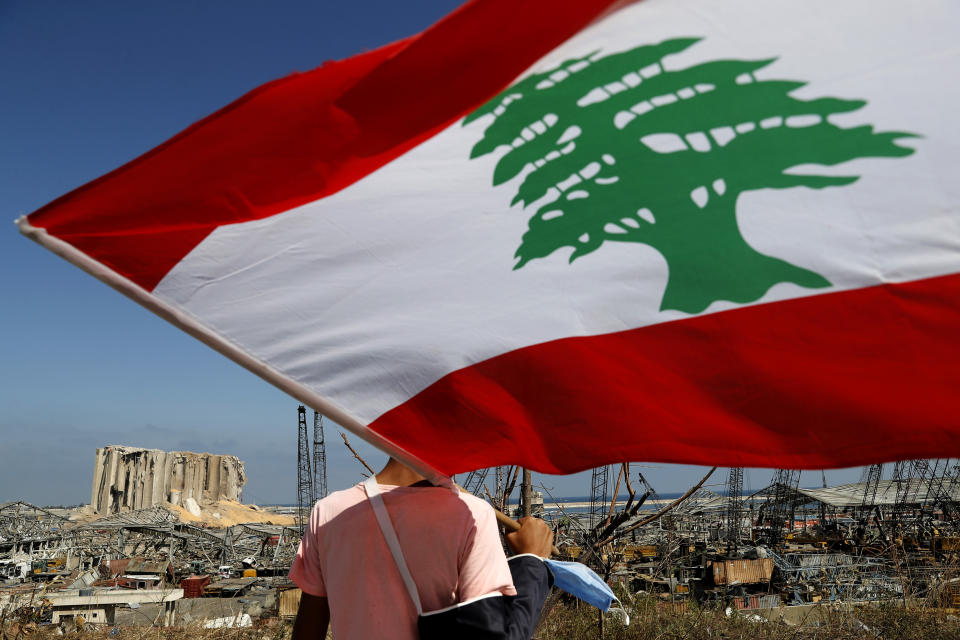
x,y
85,87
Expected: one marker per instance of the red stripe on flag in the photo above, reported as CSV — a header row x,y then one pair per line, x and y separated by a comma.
x,y
277,147
833,380
306,136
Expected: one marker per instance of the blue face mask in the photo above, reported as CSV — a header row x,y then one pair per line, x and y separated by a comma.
x,y
580,580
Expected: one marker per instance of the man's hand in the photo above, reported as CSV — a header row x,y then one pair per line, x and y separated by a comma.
x,y
533,537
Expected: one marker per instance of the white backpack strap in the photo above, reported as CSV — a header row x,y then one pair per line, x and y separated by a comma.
x,y
390,536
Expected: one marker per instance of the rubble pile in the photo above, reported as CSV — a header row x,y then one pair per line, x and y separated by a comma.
x,y
158,521
773,553
786,546
96,570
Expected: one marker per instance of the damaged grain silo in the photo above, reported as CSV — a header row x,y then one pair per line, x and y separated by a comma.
x,y
126,478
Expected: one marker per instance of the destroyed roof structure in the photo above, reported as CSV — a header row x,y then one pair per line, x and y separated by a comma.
x,y
702,500
23,521
156,516
882,493
918,491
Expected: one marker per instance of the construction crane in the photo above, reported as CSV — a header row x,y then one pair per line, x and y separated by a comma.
x,y
734,507
319,459
599,484
304,476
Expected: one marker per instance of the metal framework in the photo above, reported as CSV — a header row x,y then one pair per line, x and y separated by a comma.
x,y
598,495
475,479
785,482
734,507
319,459
936,488
871,480
304,476
950,510
902,478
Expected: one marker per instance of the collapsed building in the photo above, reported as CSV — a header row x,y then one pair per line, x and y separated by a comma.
x,y
781,552
157,521
130,478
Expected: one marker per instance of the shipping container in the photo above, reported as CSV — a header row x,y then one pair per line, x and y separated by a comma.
x,y
731,572
194,585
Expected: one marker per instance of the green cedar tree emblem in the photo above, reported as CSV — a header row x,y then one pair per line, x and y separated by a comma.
x,y
638,153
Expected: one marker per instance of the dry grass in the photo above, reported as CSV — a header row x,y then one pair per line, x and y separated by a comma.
x,y
273,629
650,620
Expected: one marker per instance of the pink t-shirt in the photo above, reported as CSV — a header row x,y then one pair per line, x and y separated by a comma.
x,y
449,540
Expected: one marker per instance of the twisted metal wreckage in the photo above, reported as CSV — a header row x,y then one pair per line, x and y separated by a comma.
x,y
893,538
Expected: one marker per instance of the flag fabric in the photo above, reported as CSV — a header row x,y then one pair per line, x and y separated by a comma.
x,y
563,234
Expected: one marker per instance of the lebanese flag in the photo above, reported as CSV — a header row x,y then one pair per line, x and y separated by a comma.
x,y
563,234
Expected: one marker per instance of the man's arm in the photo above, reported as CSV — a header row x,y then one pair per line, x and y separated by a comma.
x,y
505,617
531,576
313,617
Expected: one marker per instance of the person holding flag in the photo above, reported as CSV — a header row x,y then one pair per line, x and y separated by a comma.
x,y
397,557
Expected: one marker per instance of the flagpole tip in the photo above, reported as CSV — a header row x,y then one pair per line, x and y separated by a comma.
x,y
23,224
